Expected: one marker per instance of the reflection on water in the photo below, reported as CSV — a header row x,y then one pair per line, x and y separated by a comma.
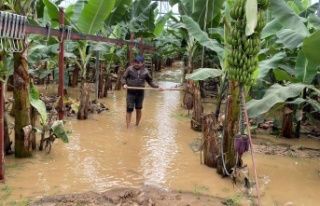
x,y
103,154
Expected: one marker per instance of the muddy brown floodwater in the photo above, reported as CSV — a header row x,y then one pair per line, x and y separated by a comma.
x,y
102,155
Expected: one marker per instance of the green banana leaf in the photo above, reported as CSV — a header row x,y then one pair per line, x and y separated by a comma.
x,y
266,65
272,28
314,104
282,75
58,129
77,9
201,7
276,94
287,17
310,10
305,70
202,37
38,104
160,23
204,73
141,19
290,39
93,15
117,13
201,11
311,47
251,9
296,8
53,12
314,22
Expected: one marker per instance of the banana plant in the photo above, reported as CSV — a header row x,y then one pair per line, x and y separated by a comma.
x,y
294,60
89,21
47,123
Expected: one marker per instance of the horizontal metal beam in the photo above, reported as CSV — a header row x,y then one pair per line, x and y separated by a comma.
x,y
76,36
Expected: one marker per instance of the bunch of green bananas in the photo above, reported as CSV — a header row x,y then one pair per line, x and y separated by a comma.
x,y
243,55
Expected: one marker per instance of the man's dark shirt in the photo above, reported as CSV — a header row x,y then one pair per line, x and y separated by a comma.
x,y
137,77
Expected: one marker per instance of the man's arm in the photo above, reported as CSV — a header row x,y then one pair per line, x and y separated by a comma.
x,y
124,78
149,80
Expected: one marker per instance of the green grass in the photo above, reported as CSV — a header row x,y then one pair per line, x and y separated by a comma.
x,y
19,203
197,191
5,192
233,201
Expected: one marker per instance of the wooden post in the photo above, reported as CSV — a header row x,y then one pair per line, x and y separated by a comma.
x,y
1,132
61,66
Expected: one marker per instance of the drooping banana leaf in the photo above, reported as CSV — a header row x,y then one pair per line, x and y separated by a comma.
x,y
282,75
93,15
310,10
77,9
271,28
290,39
38,104
305,70
202,37
266,65
58,129
120,9
314,21
274,95
142,18
204,73
314,104
287,17
160,23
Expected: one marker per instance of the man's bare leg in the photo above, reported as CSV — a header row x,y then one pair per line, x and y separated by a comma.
x,y
128,118
138,116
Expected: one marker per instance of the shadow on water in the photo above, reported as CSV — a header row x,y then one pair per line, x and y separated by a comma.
x,y
103,154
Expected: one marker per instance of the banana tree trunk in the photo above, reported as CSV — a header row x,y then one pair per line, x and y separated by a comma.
x,y
197,109
108,85
286,130
21,103
75,76
84,101
231,127
121,71
101,79
211,148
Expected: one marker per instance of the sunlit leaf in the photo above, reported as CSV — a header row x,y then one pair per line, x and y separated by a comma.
x,y
251,8
58,129
38,104
204,73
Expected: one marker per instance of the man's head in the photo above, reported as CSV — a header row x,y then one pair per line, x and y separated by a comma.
x,y
138,62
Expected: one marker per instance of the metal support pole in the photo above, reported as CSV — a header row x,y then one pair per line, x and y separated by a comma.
x,y
97,74
61,65
1,132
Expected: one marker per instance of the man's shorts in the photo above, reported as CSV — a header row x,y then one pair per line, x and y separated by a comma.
x,y
134,100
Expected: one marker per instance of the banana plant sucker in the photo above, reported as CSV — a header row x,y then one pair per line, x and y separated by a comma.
x,y
84,59
191,47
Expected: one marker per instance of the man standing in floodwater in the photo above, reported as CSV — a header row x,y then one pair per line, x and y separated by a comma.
x,y
136,76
